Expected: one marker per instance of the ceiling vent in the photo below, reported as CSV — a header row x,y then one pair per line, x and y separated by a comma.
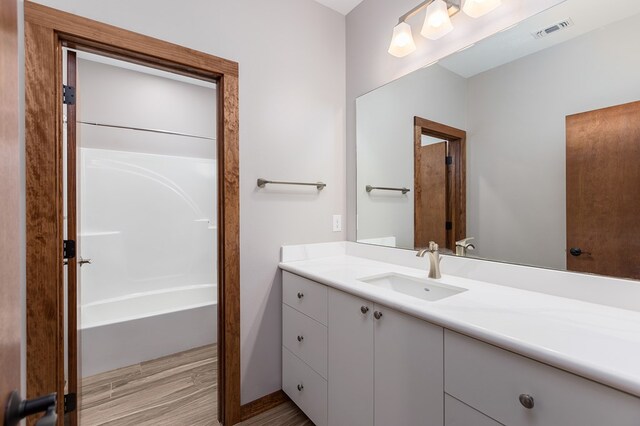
x,y
553,29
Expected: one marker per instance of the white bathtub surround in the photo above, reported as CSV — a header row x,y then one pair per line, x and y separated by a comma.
x,y
587,325
146,223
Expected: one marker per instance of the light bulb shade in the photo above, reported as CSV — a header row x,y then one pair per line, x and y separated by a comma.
x,y
477,8
402,41
437,23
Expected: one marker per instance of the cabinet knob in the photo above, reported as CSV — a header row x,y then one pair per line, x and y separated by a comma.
x,y
377,315
526,401
300,295
364,309
300,338
300,387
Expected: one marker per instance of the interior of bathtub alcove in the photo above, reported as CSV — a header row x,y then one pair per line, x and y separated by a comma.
x,y
147,237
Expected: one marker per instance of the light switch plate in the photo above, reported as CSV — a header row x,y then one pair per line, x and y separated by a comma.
x,y
337,223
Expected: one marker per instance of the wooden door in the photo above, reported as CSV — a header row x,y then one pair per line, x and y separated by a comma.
x,y
350,360
603,202
10,246
409,370
430,215
440,183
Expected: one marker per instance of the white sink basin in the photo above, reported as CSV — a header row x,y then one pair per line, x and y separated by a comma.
x,y
425,289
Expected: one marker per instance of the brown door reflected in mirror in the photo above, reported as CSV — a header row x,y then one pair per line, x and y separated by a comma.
x,y
431,194
440,182
603,177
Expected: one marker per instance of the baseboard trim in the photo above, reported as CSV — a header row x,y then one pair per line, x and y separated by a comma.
x,y
263,404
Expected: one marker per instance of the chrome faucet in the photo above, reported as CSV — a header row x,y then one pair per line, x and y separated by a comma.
x,y
434,259
463,245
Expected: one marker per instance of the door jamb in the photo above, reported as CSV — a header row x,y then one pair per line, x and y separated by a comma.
x,y
456,174
47,30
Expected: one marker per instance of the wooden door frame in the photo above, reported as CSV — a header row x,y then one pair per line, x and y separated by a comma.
x,y
456,174
47,31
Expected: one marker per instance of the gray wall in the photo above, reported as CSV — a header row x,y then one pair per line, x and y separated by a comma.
x,y
154,100
369,29
516,139
385,145
292,85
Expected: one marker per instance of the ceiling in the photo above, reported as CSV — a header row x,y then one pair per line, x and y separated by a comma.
x,y
517,42
342,6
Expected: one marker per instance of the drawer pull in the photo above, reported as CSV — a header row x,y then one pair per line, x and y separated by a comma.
x,y
300,338
377,315
300,295
364,309
300,387
526,401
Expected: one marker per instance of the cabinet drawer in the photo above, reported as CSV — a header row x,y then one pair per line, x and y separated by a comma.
x,y
458,414
306,296
306,388
306,338
491,380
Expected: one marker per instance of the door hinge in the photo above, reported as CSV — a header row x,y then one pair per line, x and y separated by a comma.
x,y
448,226
68,95
68,249
70,402
448,160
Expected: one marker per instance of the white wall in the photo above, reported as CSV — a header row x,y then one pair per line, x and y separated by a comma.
x,y
369,29
516,200
292,85
385,145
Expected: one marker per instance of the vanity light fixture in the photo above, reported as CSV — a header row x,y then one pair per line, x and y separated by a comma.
x,y
402,41
437,22
477,8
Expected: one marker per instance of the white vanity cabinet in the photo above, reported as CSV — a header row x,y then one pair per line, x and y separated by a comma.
x,y
518,391
348,361
378,363
385,367
457,413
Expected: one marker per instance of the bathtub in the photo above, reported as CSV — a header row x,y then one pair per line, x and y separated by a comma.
x,y
139,327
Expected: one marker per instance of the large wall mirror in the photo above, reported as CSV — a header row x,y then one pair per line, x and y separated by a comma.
x,y
528,142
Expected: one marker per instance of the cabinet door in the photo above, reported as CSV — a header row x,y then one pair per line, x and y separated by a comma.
x,y
350,360
458,414
409,388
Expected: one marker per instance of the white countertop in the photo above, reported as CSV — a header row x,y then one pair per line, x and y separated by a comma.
x,y
598,342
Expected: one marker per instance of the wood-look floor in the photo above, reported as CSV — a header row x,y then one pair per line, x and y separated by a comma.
x,y
177,390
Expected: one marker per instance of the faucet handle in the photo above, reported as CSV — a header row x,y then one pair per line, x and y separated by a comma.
x,y
464,242
433,246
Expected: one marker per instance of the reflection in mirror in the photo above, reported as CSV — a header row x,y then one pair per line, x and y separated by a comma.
x,y
528,142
